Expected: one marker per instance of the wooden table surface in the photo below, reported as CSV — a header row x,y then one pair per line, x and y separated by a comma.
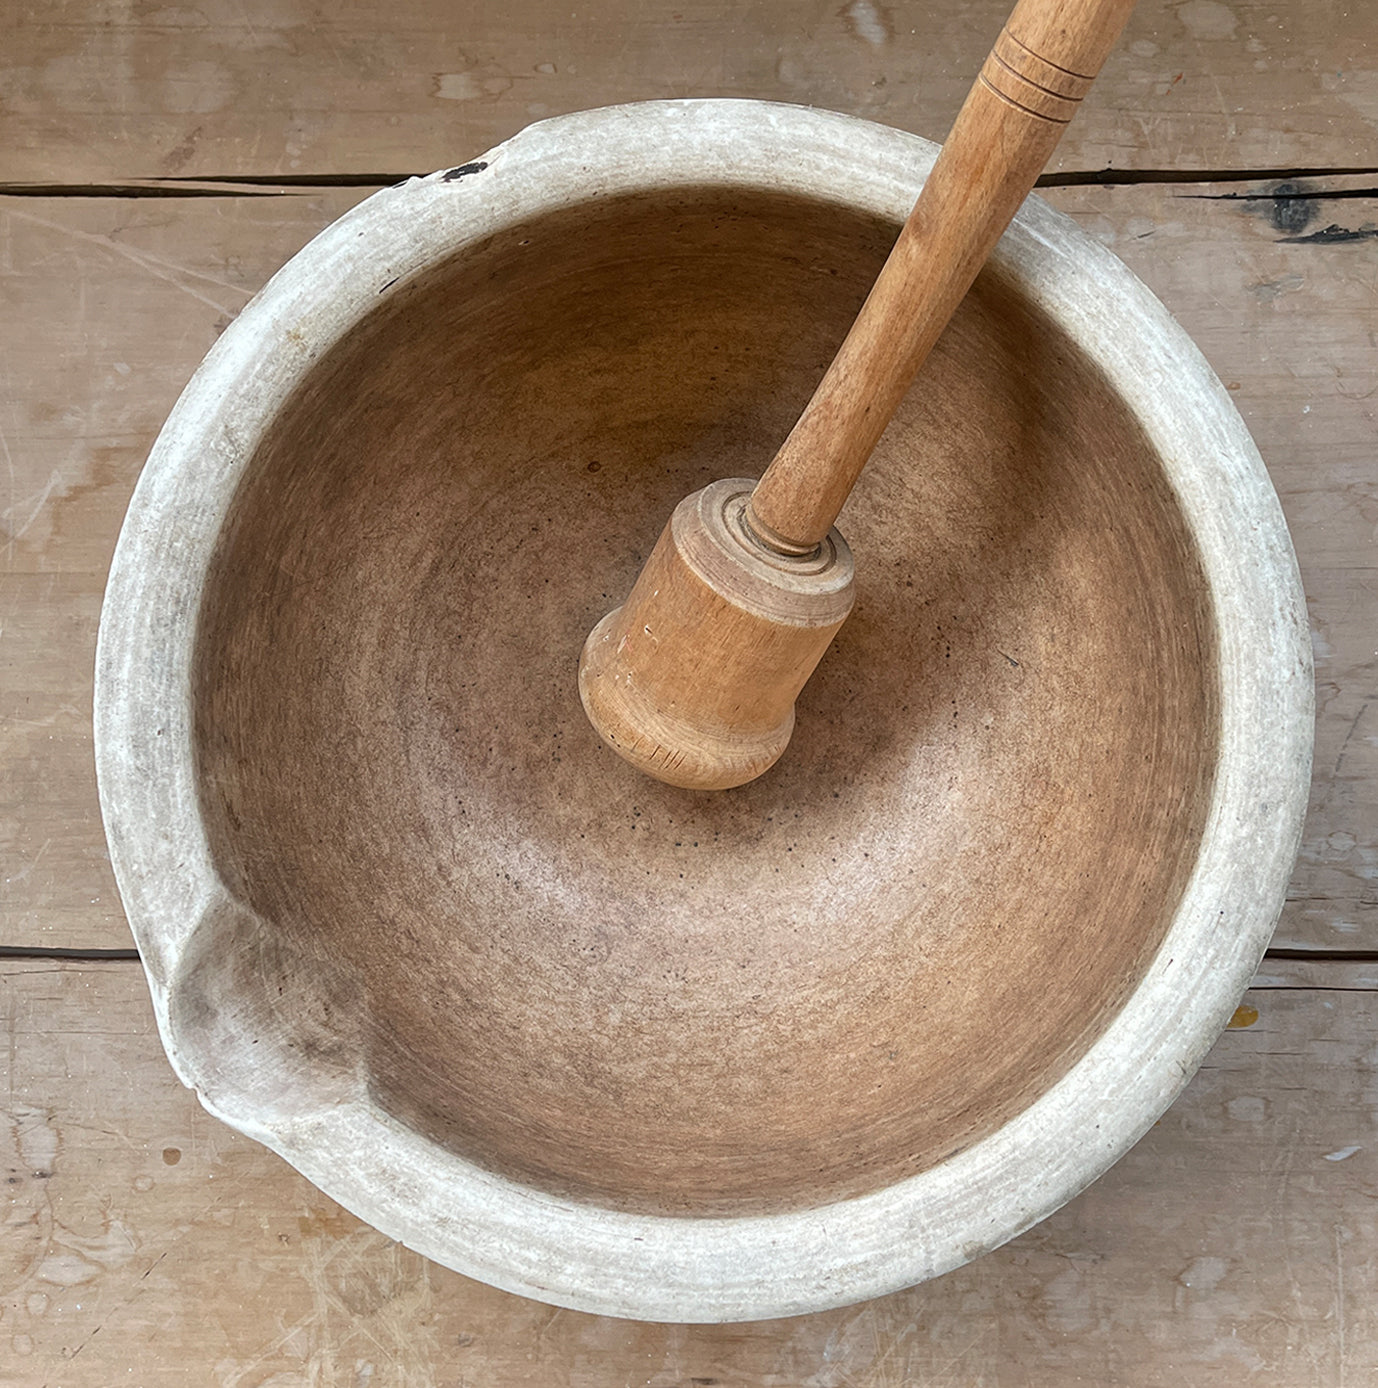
x,y
158,163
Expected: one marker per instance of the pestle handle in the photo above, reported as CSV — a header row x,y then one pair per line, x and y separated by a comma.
x,y
1040,68
694,678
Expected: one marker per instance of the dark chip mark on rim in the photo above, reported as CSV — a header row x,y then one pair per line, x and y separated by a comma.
x,y
464,170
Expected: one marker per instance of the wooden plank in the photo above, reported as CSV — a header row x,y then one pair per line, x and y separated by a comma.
x,y
1284,969
119,298
1279,292
144,1242
101,90
56,886
118,301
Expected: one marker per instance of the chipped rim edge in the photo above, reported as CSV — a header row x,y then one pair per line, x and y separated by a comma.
x,y
718,1269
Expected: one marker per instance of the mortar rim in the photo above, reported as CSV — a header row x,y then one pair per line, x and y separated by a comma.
x,y
696,1269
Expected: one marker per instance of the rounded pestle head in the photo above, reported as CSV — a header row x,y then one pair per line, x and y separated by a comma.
x,y
693,679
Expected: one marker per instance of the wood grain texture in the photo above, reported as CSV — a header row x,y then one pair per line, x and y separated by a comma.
x,y
120,298
92,90
143,1241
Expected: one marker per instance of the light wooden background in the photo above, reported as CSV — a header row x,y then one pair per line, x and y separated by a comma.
x,y
157,162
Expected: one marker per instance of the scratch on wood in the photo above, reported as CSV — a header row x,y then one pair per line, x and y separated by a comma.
x,y
145,260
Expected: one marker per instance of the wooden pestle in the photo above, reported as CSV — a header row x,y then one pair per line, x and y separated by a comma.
x,y
693,679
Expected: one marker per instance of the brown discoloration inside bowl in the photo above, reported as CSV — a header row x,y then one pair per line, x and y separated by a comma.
x,y
600,985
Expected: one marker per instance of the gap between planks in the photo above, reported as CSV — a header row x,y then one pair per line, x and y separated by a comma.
x,y
280,185
1346,971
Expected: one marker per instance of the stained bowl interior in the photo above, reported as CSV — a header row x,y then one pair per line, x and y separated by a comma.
x,y
648,998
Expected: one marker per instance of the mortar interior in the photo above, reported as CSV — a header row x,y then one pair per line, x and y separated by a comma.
x,y
655,999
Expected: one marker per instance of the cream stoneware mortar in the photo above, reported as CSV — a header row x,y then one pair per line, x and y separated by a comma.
x,y
640,1050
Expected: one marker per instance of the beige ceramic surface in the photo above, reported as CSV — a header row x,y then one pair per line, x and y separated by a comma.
x,y
632,1048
